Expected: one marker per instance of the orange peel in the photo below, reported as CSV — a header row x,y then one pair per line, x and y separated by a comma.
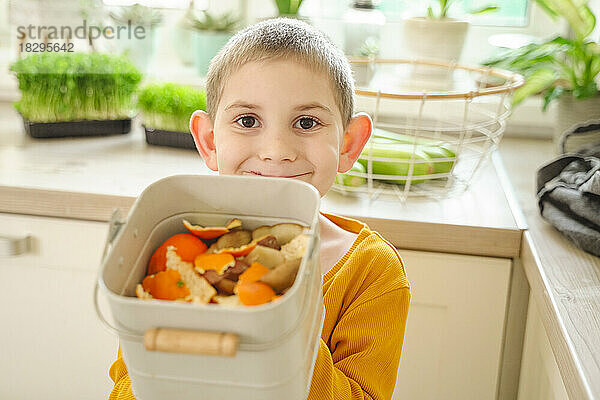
x,y
254,293
253,273
187,247
238,251
166,285
215,261
211,232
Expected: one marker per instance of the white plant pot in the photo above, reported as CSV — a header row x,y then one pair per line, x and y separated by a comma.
x,y
571,111
433,39
183,41
206,45
140,51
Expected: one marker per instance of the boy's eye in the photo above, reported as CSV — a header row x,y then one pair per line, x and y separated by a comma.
x,y
306,123
246,121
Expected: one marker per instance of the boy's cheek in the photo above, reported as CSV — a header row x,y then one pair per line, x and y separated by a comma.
x,y
226,165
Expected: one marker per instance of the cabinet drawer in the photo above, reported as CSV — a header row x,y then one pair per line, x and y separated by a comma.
x,y
55,242
540,376
55,347
454,332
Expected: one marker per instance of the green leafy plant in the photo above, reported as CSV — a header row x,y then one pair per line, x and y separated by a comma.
x,y
138,15
559,66
288,7
226,22
75,86
168,106
444,7
369,48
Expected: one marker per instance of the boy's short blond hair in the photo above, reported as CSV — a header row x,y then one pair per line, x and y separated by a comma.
x,y
282,38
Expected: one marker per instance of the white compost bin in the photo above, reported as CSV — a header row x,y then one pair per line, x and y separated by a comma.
x,y
277,342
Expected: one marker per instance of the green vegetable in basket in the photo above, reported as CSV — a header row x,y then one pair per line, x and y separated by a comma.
x,y
347,179
402,138
439,167
168,106
397,160
75,86
430,147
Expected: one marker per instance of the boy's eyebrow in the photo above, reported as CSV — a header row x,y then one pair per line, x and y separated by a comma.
x,y
302,107
241,104
309,106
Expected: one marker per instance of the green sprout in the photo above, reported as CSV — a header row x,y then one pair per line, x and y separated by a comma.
x,y
168,106
75,86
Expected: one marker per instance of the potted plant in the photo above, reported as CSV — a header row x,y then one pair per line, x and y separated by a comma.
x,y
437,36
362,66
139,48
563,69
211,33
166,109
183,35
289,8
75,94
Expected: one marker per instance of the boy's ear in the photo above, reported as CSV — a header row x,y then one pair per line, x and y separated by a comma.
x,y
202,130
356,136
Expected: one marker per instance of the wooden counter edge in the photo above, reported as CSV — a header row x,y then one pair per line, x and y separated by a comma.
x,y
569,366
410,235
447,238
62,204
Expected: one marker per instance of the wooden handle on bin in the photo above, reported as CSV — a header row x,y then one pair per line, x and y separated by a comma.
x,y
191,342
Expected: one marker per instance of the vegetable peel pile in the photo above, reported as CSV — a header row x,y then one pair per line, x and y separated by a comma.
x,y
239,268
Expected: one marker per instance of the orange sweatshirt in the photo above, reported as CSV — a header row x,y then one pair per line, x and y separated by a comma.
x,y
366,296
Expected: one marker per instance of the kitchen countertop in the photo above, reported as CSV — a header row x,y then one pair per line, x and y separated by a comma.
x,y
87,178
564,280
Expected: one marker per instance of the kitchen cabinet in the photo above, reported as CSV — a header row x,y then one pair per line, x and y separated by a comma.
x,y
56,348
53,346
455,329
540,376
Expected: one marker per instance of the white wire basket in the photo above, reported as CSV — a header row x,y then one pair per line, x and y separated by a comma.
x,y
435,124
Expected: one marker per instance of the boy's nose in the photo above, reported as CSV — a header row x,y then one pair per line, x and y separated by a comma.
x,y
277,148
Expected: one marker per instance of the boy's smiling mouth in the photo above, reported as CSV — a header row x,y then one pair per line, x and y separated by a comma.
x,y
275,175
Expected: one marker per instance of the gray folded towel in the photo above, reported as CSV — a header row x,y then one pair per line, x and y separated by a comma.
x,y
592,185
568,193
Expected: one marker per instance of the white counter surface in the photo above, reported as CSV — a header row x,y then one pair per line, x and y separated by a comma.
x,y
37,176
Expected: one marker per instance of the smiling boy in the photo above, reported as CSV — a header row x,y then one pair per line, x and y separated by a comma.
x,y
280,103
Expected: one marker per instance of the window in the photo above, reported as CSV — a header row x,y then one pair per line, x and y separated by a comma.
x,y
511,12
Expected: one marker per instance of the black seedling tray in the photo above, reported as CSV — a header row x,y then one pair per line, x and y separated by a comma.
x,y
159,137
44,130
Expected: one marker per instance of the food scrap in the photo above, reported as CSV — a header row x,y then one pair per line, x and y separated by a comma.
x,y
225,266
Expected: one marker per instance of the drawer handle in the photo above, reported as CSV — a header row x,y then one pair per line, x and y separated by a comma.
x,y
14,246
